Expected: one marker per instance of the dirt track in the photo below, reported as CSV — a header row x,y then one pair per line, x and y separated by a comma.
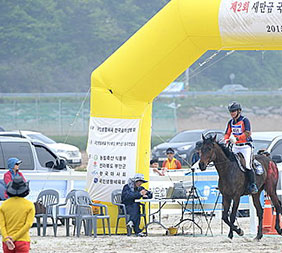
x,y
158,242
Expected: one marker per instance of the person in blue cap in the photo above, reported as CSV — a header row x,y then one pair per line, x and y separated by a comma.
x,y
130,192
13,166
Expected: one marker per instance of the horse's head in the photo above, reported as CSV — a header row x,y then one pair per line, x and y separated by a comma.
x,y
207,152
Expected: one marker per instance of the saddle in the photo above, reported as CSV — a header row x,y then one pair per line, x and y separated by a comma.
x,y
256,165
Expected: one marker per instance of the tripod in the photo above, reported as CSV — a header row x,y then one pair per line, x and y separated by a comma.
x,y
193,195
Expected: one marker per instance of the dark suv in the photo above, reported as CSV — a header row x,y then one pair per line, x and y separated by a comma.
x,y
183,144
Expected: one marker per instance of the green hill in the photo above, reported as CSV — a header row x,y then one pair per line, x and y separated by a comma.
x,y
52,45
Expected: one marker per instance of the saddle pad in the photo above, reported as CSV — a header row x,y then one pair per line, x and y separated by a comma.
x,y
258,167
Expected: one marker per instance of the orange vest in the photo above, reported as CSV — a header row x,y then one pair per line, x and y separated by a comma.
x,y
170,165
237,129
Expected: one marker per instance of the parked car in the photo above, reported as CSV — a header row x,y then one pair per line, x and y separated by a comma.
x,y
233,88
69,152
269,141
183,144
35,156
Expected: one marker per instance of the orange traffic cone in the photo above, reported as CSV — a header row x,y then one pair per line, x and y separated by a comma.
x,y
267,217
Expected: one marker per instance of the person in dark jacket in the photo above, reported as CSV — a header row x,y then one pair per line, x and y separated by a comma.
x,y
196,155
130,192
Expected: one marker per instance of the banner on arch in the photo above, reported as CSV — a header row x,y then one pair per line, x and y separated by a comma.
x,y
112,150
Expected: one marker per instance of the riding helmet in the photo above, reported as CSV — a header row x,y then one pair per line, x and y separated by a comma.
x,y
234,106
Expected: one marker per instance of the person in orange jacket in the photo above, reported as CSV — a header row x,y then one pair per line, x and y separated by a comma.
x,y
238,132
171,163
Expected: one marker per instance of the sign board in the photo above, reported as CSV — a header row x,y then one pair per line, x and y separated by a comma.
x,y
112,149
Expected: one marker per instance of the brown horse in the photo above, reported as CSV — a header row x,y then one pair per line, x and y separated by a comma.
x,y
233,183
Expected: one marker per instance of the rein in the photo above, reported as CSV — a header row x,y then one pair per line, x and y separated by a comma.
x,y
219,163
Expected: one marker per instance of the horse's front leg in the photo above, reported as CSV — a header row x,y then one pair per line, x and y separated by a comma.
x,y
235,206
226,205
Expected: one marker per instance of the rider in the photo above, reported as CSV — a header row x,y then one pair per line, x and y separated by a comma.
x,y
238,132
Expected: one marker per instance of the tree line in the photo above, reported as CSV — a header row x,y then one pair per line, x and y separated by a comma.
x,y
53,46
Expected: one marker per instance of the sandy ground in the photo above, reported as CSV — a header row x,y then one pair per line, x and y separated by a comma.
x,y
157,241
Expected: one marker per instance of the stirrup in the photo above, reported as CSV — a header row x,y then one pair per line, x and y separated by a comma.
x,y
253,188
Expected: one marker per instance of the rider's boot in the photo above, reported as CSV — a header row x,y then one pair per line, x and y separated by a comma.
x,y
252,185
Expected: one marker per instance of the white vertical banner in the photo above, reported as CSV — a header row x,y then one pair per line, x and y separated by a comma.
x,y
112,150
247,20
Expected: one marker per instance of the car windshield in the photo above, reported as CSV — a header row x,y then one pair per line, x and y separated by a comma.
x,y
186,137
41,138
260,144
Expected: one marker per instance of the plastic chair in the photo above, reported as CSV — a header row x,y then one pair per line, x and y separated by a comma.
x,y
70,211
116,200
85,214
49,198
83,200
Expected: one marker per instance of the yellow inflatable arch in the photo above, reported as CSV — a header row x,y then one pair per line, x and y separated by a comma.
x,y
124,86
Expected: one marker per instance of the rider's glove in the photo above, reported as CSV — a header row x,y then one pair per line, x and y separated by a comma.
x,y
233,139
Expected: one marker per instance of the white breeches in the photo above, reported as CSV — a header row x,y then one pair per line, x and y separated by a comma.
x,y
246,150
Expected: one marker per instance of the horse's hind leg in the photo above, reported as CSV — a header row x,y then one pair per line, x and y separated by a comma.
x,y
259,213
277,204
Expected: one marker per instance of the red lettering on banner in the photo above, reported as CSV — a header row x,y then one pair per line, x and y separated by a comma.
x,y
240,6
234,6
246,7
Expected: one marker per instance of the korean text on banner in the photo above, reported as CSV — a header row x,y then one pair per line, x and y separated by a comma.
x,y
248,20
112,149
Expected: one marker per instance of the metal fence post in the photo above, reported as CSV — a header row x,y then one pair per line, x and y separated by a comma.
x,y
37,113
60,117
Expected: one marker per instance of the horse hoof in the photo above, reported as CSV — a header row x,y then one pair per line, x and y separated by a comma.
x,y
241,232
258,237
279,231
230,236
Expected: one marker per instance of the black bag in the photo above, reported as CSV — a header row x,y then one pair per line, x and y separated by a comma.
x,y
39,208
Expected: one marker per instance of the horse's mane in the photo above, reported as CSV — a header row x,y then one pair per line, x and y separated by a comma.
x,y
229,154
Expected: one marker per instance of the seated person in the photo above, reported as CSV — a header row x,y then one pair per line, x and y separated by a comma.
x,y
155,167
171,163
130,192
